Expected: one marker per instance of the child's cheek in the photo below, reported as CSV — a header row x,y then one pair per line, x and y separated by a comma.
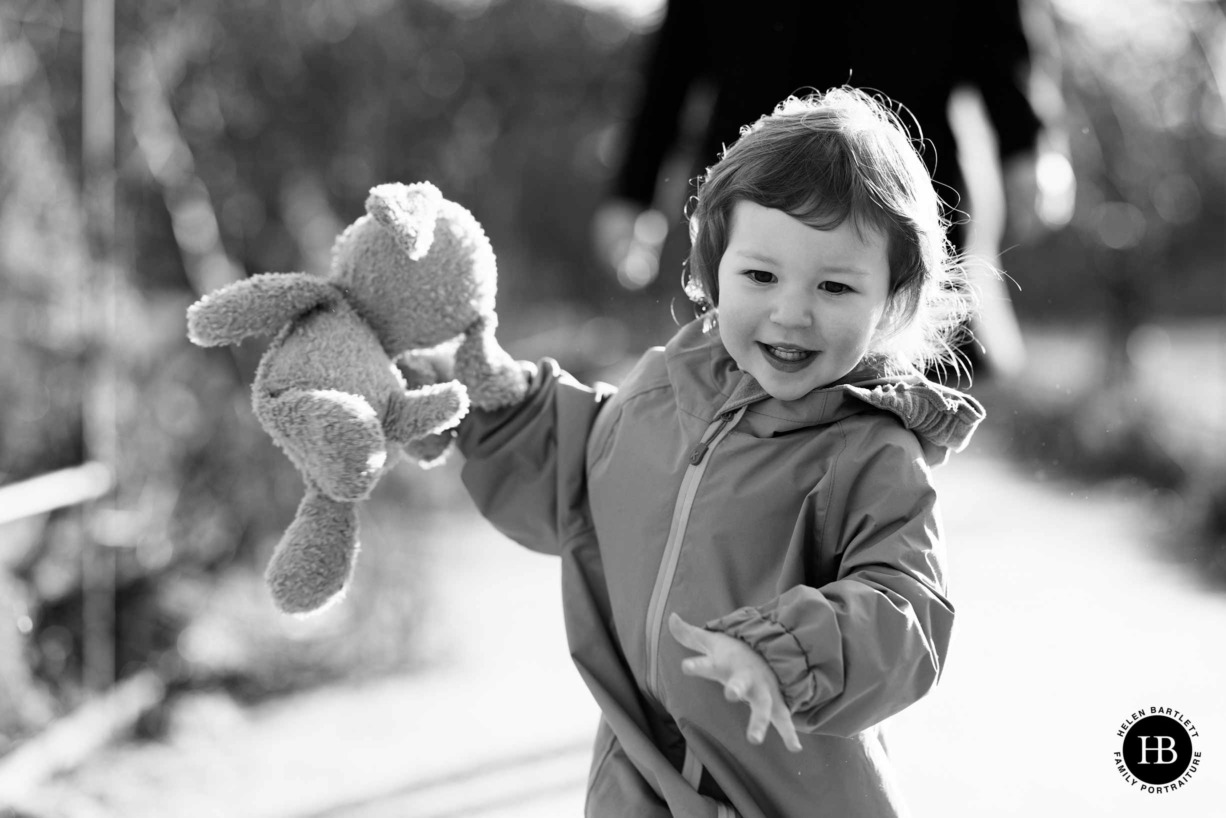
x,y
725,326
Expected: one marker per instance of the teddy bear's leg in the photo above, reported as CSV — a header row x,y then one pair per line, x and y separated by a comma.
x,y
426,410
315,557
336,438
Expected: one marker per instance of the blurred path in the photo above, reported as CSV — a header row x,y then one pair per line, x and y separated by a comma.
x,y
1069,622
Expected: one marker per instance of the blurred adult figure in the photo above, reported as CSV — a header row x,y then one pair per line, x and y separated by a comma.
x,y
750,57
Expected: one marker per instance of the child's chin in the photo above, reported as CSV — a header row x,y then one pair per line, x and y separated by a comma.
x,y
788,391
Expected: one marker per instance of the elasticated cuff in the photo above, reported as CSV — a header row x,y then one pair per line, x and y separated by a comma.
x,y
799,682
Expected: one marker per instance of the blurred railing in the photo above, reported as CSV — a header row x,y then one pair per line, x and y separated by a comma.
x,y
75,736
58,489
66,488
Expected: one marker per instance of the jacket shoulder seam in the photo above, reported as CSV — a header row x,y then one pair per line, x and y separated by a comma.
x,y
898,432
646,388
619,402
607,440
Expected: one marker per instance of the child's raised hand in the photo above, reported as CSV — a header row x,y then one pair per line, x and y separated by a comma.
x,y
743,673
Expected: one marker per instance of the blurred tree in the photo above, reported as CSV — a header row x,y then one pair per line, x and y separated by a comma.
x,y
247,135
1144,83
42,254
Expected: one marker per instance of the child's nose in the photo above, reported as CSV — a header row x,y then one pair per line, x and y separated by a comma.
x,y
792,310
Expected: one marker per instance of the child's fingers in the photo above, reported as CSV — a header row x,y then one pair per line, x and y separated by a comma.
x,y
700,666
759,714
740,683
740,687
782,719
688,635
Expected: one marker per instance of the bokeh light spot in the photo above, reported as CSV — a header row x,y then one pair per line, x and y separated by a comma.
x,y
1177,198
1120,225
440,73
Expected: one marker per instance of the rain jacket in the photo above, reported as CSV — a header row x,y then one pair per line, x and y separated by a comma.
x,y
809,529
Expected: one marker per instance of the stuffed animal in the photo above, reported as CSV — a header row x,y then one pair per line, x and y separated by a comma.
x,y
414,273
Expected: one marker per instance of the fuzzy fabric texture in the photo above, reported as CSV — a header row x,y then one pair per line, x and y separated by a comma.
x,y
493,378
413,273
315,558
936,413
260,305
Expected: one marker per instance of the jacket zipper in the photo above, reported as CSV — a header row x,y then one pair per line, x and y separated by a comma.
x,y
715,433
700,451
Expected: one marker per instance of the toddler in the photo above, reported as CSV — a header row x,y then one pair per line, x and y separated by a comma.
x,y
748,529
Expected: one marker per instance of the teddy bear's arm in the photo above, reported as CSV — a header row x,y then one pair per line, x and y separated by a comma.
x,y
426,410
493,378
257,306
424,369
431,450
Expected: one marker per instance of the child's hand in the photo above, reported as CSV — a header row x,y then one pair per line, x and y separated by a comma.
x,y
743,673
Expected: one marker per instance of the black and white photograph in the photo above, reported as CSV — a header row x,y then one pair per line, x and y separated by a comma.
x,y
612,409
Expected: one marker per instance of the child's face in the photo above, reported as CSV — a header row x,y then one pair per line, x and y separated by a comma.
x,y
799,306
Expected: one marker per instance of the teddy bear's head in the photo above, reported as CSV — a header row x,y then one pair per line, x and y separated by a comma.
x,y
417,267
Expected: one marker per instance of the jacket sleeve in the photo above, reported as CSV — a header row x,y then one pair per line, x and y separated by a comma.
x,y
873,641
525,464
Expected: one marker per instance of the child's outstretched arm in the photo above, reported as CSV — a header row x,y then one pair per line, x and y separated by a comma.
x,y
525,463
853,652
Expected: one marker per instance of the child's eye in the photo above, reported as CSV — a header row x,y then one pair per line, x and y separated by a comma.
x,y
760,276
835,287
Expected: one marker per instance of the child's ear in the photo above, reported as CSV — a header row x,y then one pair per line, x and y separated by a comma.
x,y
892,324
890,320
901,307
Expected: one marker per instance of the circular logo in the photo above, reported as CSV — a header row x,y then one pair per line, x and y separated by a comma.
x,y
1157,750
1158,753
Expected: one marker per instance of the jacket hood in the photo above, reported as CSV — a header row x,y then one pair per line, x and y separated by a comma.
x,y
708,383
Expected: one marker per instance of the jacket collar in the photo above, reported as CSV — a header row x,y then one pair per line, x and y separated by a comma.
x,y
708,383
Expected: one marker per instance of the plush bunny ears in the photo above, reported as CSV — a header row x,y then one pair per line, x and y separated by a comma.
x,y
408,212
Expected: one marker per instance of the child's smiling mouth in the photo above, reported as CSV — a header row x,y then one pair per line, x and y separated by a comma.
x,y
786,357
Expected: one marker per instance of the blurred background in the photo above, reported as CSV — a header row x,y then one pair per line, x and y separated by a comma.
x,y
154,152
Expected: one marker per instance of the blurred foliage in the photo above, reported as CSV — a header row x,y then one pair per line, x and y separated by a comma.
x,y
1097,437
1123,439
248,135
1144,85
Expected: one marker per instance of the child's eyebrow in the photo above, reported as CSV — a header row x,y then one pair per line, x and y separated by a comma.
x,y
766,258
840,268
751,255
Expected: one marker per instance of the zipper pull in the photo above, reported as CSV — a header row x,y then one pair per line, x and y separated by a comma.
x,y
700,451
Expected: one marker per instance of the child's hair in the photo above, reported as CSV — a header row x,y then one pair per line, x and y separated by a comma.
x,y
823,159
